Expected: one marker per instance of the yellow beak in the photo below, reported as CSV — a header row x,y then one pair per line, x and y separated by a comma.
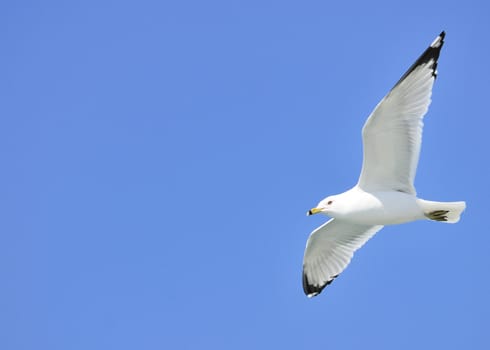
x,y
313,211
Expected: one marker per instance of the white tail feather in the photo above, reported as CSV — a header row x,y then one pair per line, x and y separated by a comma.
x,y
449,212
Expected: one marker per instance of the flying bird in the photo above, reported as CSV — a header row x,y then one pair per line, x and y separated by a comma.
x,y
385,193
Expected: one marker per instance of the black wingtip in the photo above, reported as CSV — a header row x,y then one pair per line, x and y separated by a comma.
x,y
313,290
439,41
431,53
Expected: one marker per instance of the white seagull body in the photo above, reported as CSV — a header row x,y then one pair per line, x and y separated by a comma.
x,y
385,193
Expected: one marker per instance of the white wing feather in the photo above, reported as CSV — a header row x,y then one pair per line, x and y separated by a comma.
x,y
329,250
392,135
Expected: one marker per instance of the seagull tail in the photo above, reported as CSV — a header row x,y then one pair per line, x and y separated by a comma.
x,y
449,212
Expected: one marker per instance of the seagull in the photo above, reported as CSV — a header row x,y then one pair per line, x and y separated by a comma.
x,y
385,193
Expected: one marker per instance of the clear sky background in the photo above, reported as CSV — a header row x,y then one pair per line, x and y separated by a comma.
x,y
158,159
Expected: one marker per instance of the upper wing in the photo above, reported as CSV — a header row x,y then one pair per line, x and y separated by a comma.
x,y
392,134
329,250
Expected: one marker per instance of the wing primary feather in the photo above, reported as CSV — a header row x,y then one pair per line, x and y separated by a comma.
x,y
329,250
431,53
313,290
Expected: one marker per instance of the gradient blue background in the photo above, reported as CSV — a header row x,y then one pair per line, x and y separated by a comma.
x,y
158,158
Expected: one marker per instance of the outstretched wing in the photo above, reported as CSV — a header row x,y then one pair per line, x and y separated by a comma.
x,y
392,135
329,250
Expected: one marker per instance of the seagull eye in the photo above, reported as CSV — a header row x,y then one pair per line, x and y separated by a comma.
x,y
329,202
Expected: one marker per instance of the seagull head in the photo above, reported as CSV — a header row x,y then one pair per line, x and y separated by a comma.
x,y
326,206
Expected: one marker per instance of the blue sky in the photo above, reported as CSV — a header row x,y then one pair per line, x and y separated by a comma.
x,y
159,157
